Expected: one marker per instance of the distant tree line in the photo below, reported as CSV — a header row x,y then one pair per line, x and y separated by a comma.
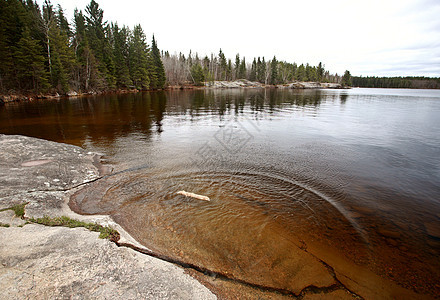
x,y
41,52
396,82
193,69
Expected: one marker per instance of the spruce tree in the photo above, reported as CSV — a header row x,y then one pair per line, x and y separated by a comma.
x,y
242,73
197,74
320,71
274,71
258,70
253,74
301,73
31,72
229,70
223,65
159,69
346,79
120,54
237,66
97,33
139,59
11,28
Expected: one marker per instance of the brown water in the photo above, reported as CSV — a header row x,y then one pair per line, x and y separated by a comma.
x,y
356,171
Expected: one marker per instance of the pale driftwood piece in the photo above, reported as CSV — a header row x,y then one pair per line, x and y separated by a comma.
x,y
192,195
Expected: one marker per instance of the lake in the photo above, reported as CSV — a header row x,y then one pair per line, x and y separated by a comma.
x,y
355,172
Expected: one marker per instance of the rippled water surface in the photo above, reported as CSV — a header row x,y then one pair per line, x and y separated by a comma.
x,y
356,170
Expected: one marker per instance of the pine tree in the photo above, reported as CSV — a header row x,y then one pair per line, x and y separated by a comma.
x,y
259,71
237,65
120,54
197,74
97,33
229,70
301,73
31,72
159,70
253,74
274,71
62,22
139,59
242,73
87,76
320,71
11,27
223,65
346,79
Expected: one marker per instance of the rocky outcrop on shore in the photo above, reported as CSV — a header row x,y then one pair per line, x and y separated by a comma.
x,y
41,262
313,85
243,83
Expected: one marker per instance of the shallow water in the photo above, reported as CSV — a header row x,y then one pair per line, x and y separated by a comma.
x,y
357,170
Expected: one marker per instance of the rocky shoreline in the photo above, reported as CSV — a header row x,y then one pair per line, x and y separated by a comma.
x,y
39,262
243,83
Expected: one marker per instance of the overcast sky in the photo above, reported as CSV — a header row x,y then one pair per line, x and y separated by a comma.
x,y
375,37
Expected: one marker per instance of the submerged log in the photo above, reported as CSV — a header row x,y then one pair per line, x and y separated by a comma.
x,y
192,195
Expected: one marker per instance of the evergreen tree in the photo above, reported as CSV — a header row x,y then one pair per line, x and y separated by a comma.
x,y
346,79
229,70
121,55
62,22
11,27
139,59
242,73
223,65
261,70
30,64
197,74
96,30
158,68
301,73
253,74
311,73
87,75
320,71
237,65
274,71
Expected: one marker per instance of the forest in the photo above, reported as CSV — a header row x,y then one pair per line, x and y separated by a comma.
x,y
396,82
41,52
193,69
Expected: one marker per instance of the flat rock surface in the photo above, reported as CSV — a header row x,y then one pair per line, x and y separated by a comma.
x,y
30,164
38,262
8,217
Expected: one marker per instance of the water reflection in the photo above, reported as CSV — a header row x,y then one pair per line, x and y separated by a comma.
x,y
105,118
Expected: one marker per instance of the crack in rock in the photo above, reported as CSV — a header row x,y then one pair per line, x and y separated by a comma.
x,y
311,289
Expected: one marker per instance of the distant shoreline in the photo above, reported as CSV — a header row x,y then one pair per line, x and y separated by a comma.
x,y
19,97
238,84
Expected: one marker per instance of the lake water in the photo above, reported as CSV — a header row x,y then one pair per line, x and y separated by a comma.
x,y
357,171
